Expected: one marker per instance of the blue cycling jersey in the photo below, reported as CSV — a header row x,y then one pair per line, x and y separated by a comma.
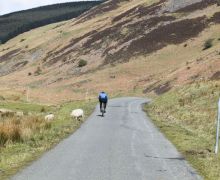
x,y
103,97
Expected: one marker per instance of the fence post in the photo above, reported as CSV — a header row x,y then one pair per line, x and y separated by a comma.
x,y
217,129
27,94
87,93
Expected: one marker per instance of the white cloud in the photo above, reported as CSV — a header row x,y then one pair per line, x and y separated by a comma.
x,y
8,6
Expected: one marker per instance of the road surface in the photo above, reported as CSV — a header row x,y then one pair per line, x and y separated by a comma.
x,y
124,145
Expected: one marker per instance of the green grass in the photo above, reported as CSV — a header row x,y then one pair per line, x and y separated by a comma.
x,y
15,156
187,116
25,107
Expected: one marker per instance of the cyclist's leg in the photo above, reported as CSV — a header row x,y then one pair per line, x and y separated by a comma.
x,y
105,104
100,102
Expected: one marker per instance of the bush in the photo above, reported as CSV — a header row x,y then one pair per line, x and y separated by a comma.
x,y
43,110
2,98
38,71
22,40
82,63
208,44
15,98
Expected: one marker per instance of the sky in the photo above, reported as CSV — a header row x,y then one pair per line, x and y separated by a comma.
x,y
8,6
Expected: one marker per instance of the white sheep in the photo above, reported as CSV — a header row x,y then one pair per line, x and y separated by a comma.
x,y
19,113
49,117
77,113
6,112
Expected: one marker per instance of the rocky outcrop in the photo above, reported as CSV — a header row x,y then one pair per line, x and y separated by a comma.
x,y
175,5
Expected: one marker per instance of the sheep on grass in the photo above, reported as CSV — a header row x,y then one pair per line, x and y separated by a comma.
x,y
49,117
77,113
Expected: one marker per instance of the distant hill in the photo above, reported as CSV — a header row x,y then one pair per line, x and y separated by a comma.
x,y
129,46
16,23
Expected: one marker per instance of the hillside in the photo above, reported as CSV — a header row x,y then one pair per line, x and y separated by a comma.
x,y
16,23
168,50
136,46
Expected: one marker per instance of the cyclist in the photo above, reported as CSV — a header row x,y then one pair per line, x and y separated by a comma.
x,y
103,100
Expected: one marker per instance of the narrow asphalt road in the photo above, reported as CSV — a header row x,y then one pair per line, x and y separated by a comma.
x,y
124,145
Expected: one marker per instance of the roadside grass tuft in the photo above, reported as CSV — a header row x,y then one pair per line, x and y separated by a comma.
x,y
187,116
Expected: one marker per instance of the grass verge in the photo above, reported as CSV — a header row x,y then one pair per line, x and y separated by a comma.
x,y
18,153
187,116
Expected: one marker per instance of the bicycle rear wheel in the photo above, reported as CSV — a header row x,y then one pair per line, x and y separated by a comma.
x,y
103,112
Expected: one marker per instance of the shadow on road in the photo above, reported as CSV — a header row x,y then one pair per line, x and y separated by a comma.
x,y
99,115
169,158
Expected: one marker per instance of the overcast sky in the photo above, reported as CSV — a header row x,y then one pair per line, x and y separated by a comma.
x,y
8,6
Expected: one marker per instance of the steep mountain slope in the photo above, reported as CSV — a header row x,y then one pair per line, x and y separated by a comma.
x,y
16,23
129,46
